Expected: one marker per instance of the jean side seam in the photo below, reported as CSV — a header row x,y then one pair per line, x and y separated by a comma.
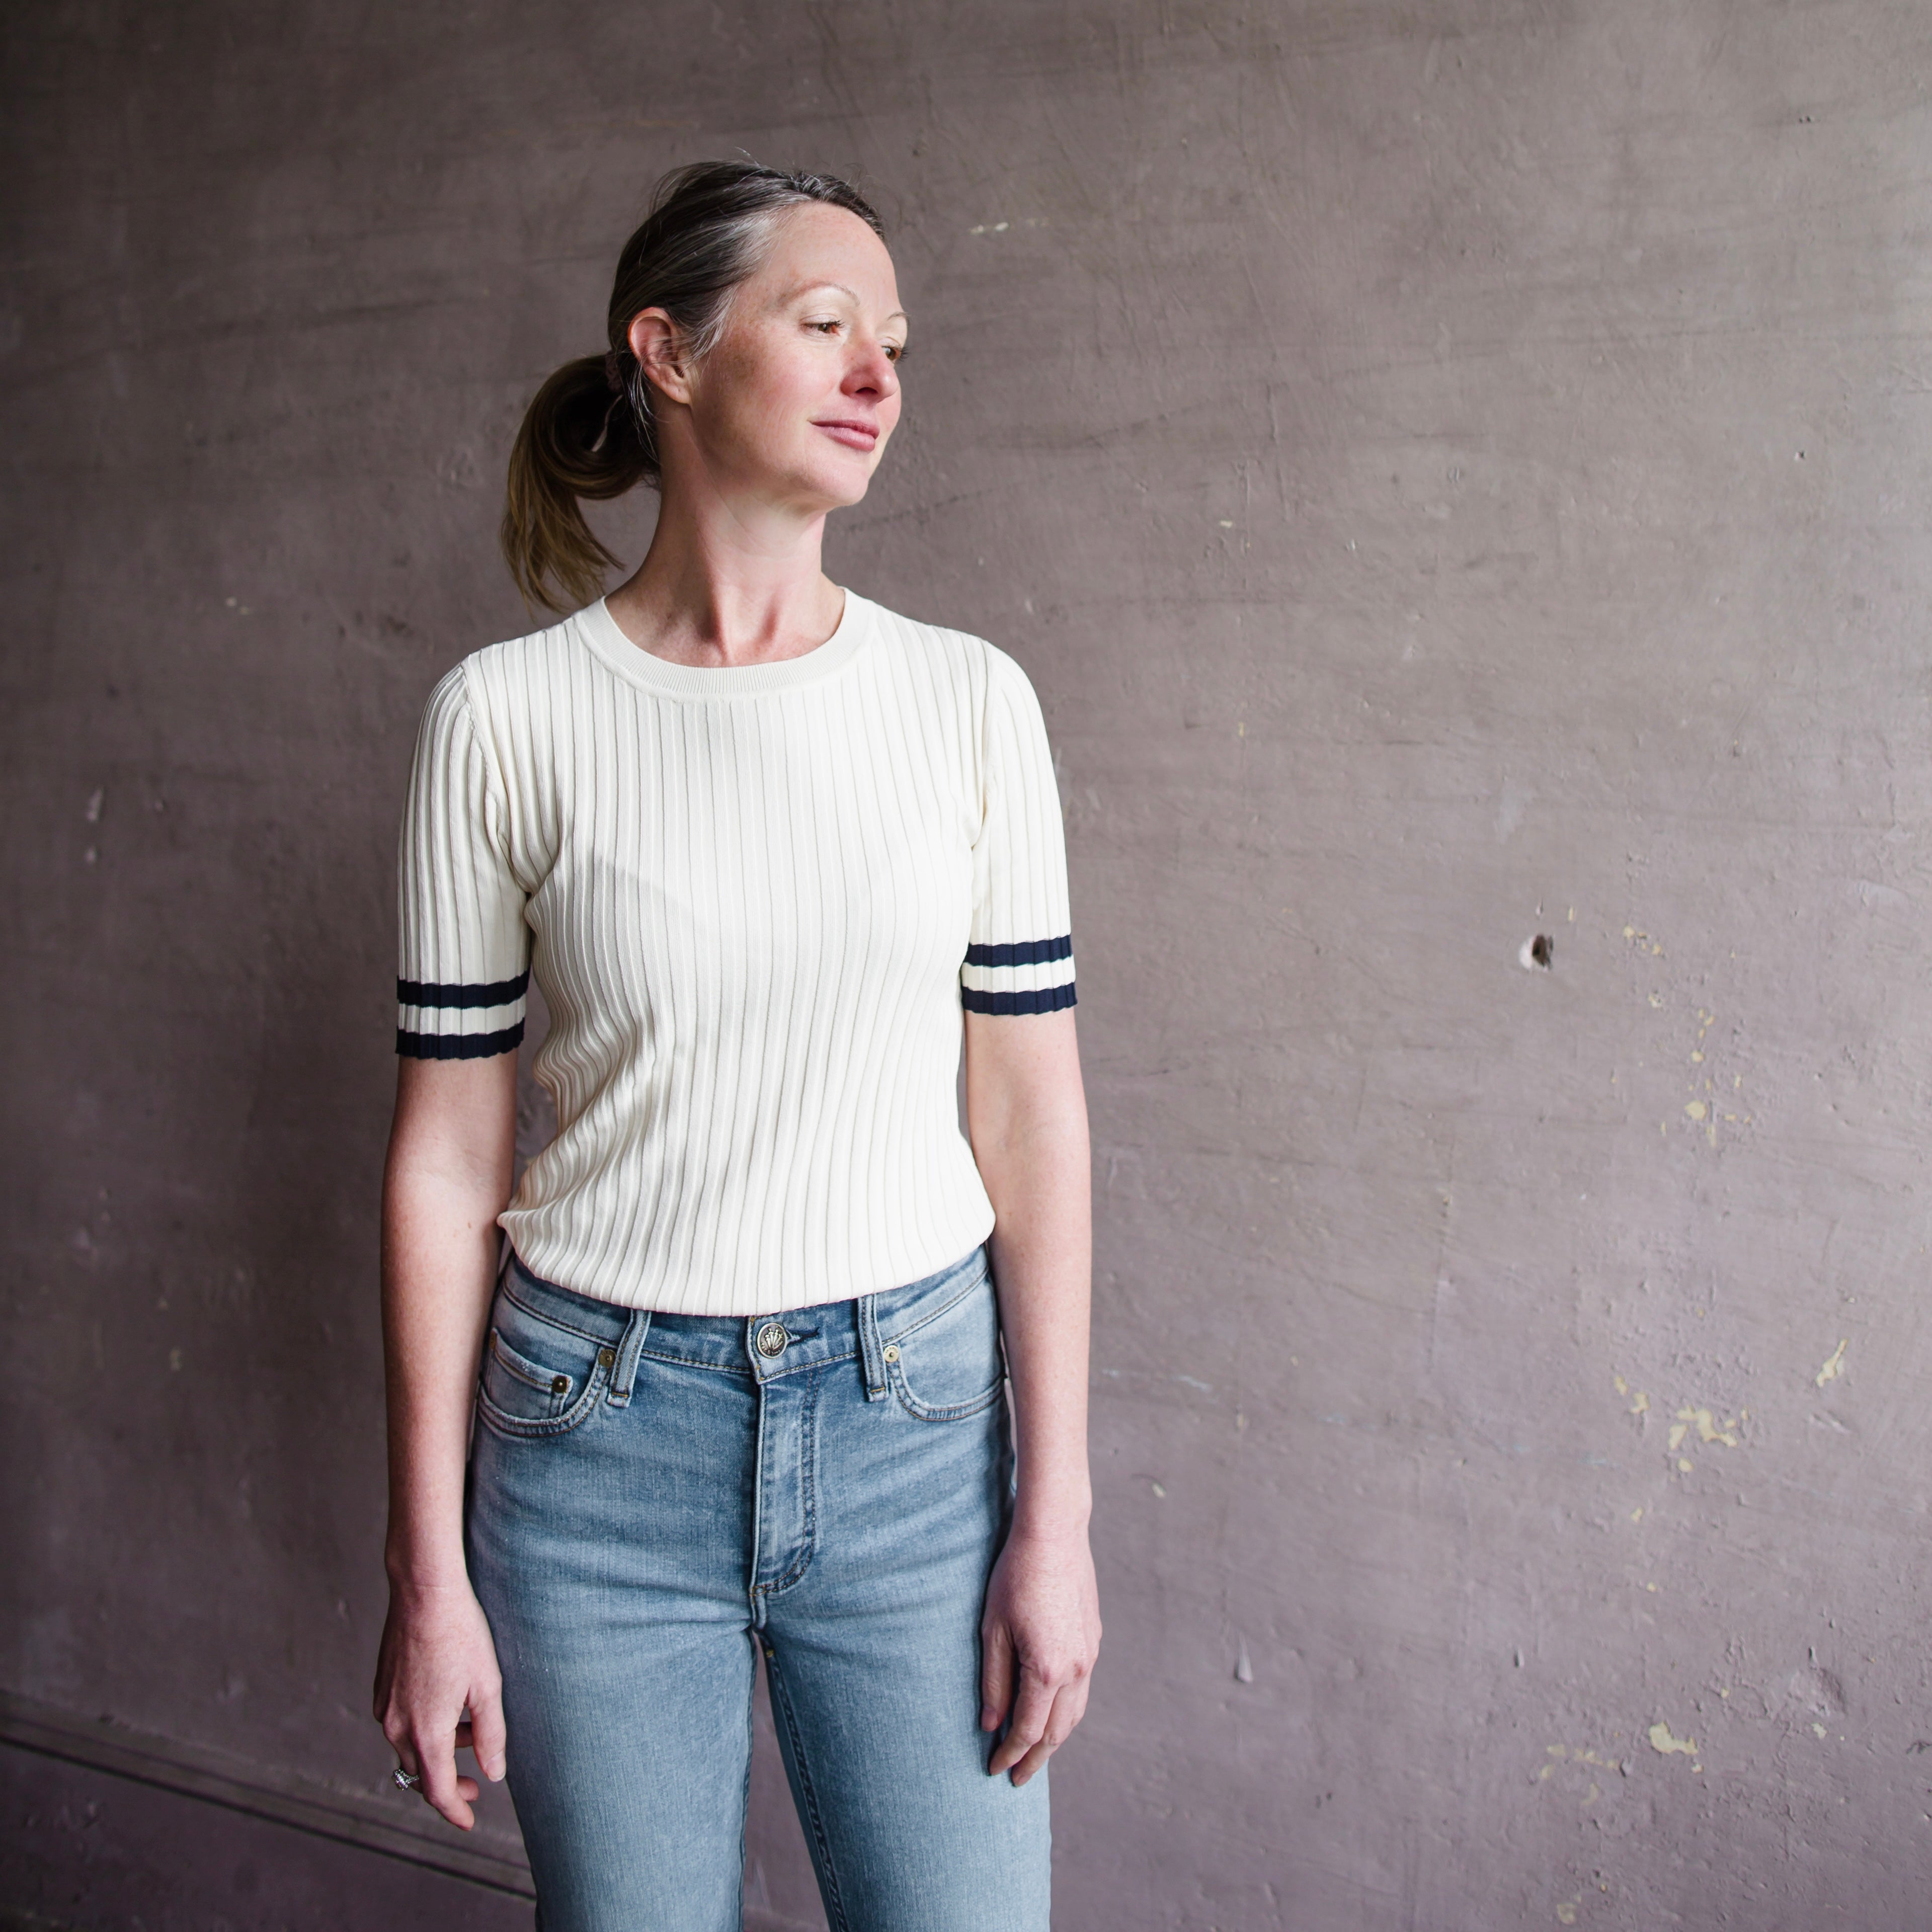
x,y
828,1876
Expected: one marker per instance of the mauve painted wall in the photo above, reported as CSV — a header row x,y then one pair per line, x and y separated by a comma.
x,y
1455,470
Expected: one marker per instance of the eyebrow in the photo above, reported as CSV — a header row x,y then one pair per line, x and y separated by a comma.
x,y
812,288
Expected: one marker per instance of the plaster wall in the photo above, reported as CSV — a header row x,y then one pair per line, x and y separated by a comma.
x,y
1456,472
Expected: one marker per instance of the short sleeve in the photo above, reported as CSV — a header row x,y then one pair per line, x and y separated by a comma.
x,y
464,965
1020,958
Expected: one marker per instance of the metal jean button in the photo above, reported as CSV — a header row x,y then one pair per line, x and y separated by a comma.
x,y
772,1339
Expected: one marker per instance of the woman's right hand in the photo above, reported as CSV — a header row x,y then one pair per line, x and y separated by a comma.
x,y
438,1663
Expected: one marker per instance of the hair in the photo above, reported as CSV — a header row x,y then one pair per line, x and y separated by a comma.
x,y
591,430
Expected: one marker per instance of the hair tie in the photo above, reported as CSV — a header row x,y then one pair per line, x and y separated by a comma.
x,y
614,360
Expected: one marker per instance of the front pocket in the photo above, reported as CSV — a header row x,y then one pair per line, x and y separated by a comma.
x,y
538,1377
521,1387
949,1367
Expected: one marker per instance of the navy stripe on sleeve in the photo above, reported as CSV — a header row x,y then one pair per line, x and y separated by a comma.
x,y
1047,1000
459,1045
497,993
1025,953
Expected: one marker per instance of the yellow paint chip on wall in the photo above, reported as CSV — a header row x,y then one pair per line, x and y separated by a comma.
x,y
1706,1425
1835,1367
1662,1741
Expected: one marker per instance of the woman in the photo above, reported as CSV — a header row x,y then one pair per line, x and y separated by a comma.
x,y
740,1379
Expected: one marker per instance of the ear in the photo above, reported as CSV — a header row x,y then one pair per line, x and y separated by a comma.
x,y
655,342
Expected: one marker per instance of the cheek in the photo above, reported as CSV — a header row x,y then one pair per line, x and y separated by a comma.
x,y
758,394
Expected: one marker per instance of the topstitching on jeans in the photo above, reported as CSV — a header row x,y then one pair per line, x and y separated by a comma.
x,y
533,1374
778,1370
554,1320
762,1594
928,1315
675,1361
521,1428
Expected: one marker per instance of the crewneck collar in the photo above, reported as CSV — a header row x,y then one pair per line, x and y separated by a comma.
x,y
636,665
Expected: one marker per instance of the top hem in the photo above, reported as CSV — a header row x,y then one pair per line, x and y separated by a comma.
x,y
735,1303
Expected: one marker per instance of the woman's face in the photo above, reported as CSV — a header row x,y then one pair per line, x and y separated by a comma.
x,y
794,405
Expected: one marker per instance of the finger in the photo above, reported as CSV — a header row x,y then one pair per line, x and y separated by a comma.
x,y
1034,1761
1068,1707
1031,1709
485,1733
437,1759
996,1675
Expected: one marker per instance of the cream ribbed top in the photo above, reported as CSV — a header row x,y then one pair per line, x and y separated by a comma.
x,y
756,901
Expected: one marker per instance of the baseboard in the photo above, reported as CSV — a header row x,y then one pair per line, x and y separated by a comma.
x,y
220,1778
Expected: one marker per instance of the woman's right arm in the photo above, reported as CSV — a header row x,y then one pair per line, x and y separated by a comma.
x,y
450,1154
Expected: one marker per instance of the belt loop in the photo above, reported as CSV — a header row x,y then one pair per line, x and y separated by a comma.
x,y
624,1371
869,1350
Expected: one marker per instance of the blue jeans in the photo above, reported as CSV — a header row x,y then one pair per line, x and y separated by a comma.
x,y
652,1494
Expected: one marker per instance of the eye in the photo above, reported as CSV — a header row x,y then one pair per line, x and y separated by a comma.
x,y
895,352
826,328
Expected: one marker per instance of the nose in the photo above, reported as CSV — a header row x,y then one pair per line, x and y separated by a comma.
x,y
871,372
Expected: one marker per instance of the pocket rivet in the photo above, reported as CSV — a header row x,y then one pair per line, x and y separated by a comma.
x,y
891,1351
559,1384
606,1357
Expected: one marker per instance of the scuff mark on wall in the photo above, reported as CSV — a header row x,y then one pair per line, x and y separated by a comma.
x,y
1835,1366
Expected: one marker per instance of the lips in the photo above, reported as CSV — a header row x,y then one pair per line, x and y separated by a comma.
x,y
863,437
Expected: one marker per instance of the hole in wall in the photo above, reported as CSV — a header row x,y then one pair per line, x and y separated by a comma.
x,y
1538,950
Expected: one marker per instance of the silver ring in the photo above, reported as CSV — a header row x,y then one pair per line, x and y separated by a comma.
x,y
406,1781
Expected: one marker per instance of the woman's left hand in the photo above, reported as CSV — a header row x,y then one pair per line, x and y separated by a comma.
x,y
1038,1640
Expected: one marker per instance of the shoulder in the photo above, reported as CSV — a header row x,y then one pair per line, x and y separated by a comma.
x,y
980,670
522,672
513,686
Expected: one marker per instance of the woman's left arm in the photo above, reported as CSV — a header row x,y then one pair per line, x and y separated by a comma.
x,y
1026,1115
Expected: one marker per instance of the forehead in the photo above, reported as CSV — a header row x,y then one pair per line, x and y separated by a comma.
x,y
816,243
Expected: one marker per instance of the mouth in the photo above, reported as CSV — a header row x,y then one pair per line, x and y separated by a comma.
x,y
863,437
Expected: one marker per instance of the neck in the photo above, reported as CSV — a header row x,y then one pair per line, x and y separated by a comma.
x,y
726,584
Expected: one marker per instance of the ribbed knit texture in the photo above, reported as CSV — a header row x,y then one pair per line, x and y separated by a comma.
x,y
749,897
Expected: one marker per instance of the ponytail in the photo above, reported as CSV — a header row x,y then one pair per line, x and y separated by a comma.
x,y
591,431
578,440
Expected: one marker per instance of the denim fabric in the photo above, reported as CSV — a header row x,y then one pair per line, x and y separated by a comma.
x,y
652,1494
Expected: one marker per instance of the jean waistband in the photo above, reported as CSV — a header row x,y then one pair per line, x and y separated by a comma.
x,y
764,1346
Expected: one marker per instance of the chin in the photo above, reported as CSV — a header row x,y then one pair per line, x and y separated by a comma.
x,y
836,486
